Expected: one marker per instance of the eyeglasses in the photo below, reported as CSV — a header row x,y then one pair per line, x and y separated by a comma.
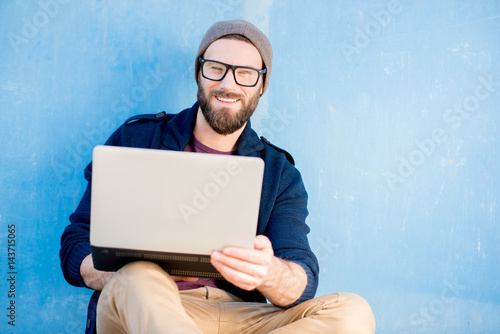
x,y
243,75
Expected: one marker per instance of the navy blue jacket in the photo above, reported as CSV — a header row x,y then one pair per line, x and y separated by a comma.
x,y
283,206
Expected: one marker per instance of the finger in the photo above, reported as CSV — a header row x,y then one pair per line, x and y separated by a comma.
x,y
257,256
262,242
252,269
239,279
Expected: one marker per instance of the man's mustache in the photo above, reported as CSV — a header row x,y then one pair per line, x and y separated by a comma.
x,y
225,94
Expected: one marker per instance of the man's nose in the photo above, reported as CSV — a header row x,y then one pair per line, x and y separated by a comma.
x,y
228,82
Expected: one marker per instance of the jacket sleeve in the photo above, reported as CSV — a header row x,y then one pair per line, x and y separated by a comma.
x,y
75,240
288,230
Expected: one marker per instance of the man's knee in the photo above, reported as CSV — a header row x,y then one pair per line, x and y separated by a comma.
x,y
138,274
138,281
140,268
357,313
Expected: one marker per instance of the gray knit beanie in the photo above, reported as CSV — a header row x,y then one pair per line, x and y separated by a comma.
x,y
239,27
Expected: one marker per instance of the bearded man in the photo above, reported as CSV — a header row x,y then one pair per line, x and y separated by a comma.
x,y
232,69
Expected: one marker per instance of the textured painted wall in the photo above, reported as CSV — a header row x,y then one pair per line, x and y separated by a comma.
x,y
390,109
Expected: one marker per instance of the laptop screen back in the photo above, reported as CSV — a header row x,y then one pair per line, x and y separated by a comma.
x,y
172,202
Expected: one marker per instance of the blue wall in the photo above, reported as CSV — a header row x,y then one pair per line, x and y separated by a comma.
x,y
390,108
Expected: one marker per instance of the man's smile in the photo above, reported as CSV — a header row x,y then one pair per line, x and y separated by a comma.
x,y
226,100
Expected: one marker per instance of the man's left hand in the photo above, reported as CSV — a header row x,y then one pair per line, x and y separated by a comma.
x,y
245,268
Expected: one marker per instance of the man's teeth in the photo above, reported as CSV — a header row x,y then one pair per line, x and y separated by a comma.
x,y
222,99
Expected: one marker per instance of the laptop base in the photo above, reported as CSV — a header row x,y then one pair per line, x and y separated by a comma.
x,y
175,264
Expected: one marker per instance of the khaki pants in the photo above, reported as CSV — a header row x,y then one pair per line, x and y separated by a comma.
x,y
143,298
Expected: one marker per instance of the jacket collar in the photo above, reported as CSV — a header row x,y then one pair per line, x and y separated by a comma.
x,y
180,130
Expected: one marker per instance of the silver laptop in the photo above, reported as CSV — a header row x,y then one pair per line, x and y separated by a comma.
x,y
172,208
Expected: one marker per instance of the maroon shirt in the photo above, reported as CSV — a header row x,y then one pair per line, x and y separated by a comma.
x,y
196,146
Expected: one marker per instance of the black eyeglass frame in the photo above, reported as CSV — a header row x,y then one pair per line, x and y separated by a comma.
x,y
232,67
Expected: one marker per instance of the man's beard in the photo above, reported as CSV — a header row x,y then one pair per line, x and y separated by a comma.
x,y
221,120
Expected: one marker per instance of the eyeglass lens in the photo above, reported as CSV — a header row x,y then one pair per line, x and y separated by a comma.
x,y
243,76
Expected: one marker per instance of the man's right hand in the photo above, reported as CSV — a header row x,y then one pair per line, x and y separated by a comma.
x,y
93,278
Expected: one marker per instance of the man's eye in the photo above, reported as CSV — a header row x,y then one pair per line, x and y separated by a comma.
x,y
216,68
